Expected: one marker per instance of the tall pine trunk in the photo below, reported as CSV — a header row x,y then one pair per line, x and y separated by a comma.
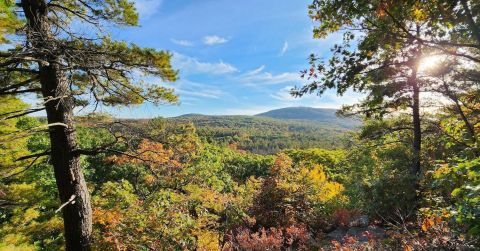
x,y
417,130
72,189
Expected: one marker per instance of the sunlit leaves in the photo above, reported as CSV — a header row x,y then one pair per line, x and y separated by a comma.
x,y
461,179
294,193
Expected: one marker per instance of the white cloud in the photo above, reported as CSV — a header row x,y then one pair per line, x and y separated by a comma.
x,y
254,110
147,8
284,48
213,40
185,43
192,65
284,94
329,99
256,71
215,94
258,76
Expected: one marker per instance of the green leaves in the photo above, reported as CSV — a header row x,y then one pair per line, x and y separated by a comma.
x,y
8,20
117,73
121,12
462,177
99,69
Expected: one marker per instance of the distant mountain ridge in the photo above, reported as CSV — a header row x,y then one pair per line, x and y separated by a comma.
x,y
316,115
324,115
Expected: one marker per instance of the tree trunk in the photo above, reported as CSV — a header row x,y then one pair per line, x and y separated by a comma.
x,y
417,130
458,106
72,189
77,214
471,21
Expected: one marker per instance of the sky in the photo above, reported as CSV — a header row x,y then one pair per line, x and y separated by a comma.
x,y
234,57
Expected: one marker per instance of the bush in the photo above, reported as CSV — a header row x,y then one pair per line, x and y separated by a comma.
x,y
289,238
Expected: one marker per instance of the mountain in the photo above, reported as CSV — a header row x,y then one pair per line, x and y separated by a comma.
x,y
323,115
191,115
275,130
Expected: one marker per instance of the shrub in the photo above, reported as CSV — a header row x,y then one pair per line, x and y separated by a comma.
x,y
289,238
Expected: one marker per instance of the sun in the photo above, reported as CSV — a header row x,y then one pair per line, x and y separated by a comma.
x,y
430,62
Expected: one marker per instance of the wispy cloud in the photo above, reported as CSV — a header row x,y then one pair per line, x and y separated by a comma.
x,y
258,76
254,110
147,8
283,94
255,71
192,65
185,43
213,40
189,90
329,99
284,48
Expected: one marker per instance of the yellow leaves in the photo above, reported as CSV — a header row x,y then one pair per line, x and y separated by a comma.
x,y
31,214
207,197
149,179
442,170
330,190
10,243
208,240
294,185
316,179
21,193
12,142
109,218
317,175
53,224
407,248
419,14
446,214
430,222
426,225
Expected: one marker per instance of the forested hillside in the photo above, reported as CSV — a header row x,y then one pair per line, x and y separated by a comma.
x,y
407,177
264,135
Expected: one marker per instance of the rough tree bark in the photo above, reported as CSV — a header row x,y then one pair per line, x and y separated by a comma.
x,y
77,213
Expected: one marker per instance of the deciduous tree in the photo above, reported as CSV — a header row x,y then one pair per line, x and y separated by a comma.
x,y
385,45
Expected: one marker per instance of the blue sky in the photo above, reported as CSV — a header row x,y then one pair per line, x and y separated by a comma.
x,y
234,57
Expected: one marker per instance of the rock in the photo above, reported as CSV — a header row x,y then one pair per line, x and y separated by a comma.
x,y
360,221
337,234
377,232
361,234
357,233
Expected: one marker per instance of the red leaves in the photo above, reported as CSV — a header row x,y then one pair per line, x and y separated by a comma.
x,y
343,217
294,237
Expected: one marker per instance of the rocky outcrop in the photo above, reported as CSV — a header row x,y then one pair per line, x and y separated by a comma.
x,y
359,229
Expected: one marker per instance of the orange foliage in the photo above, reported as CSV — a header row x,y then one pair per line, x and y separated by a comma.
x,y
160,160
149,153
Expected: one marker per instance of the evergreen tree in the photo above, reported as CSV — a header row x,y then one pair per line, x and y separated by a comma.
x,y
67,68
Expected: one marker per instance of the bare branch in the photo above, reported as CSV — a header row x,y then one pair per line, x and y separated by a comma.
x,y
34,155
